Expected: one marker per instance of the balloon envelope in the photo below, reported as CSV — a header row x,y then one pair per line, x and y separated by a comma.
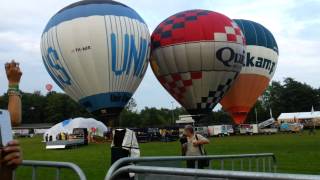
x,y
259,67
97,52
196,55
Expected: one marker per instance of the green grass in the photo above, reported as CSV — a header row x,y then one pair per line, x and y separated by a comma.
x,y
295,153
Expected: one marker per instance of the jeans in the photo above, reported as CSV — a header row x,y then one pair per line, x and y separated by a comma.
x,y
192,164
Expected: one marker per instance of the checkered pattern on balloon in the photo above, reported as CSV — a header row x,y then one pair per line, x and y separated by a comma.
x,y
178,83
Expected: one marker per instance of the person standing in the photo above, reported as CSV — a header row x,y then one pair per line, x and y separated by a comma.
x,y
194,146
10,155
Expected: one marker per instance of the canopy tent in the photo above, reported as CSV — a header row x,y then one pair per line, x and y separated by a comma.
x,y
185,119
67,126
295,116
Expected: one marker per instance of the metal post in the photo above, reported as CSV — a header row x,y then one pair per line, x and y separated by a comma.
x,y
255,109
172,113
181,173
232,164
51,164
270,168
222,164
34,173
58,174
257,164
264,164
124,161
241,164
14,175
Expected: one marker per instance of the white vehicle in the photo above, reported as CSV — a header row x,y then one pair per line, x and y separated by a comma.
x,y
21,132
248,129
210,130
266,123
267,127
220,130
230,129
185,119
202,131
268,130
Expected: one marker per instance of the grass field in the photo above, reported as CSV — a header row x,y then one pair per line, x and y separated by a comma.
x,y
295,153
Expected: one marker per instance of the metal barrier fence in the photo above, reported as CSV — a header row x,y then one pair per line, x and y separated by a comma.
x,y
51,164
265,162
205,174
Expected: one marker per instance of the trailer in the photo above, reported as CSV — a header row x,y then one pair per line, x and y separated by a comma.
x,y
291,127
267,127
268,131
248,129
266,123
220,130
21,133
65,144
230,129
203,130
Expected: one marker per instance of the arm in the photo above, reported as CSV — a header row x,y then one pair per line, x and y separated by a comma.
x,y
201,140
11,158
14,106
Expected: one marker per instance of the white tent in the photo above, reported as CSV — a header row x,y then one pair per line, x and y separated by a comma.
x,y
67,126
185,119
291,117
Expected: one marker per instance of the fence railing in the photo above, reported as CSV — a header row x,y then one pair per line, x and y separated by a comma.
x,y
265,162
188,174
51,164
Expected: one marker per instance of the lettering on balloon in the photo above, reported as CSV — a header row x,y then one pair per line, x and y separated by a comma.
x,y
131,55
81,49
260,62
60,75
229,57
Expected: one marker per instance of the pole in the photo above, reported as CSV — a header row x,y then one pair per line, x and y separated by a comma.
x,y
172,113
255,109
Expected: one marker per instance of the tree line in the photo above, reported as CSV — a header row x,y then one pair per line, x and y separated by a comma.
x,y
286,96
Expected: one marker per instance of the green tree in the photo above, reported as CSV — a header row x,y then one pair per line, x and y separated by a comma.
x,y
291,96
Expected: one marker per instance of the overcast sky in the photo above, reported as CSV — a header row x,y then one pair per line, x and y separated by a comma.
x,y
294,23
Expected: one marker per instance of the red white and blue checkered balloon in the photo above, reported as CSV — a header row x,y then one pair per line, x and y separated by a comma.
x,y
196,56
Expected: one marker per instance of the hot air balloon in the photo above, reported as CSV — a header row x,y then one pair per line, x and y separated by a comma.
x,y
97,51
49,87
260,65
196,56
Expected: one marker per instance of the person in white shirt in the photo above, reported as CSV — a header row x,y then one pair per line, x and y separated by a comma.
x,y
194,145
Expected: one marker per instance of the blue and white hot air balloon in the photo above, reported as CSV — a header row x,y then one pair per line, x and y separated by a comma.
x,y
97,51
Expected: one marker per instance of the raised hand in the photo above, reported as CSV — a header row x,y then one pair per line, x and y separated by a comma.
x,y
13,72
